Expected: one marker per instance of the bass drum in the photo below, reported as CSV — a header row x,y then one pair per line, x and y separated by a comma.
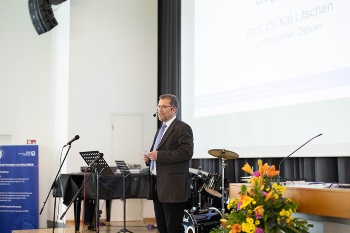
x,y
202,221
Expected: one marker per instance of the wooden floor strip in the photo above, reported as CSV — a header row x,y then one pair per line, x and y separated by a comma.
x,y
135,227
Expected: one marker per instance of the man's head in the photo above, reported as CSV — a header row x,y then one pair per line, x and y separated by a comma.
x,y
167,107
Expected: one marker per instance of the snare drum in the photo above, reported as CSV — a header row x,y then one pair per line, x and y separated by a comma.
x,y
209,182
214,185
197,183
202,221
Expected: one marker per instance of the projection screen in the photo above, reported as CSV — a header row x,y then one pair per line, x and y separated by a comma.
x,y
261,78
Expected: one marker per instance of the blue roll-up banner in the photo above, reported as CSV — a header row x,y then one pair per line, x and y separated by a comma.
x,y
19,186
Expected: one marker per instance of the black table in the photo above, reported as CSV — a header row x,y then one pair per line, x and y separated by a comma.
x,y
110,187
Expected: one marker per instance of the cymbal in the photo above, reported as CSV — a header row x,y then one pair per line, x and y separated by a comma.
x,y
197,171
213,192
222,153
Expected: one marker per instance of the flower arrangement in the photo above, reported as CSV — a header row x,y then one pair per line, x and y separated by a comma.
x,y
260,207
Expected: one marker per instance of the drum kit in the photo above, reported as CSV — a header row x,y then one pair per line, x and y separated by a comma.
x,y
210,192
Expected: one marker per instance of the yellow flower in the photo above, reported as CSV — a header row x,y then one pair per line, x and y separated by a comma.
x,y
248,227
251,227
282,189
279,188
254,181
282,212
245,200
249,190
249,220
262,168
271,172
244,226
268,196
251,210
247,168
259,210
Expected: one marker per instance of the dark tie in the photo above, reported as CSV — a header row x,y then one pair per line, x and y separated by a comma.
x,y
159,137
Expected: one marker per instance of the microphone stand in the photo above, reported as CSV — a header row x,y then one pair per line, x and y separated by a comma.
x,y
54,189
279,166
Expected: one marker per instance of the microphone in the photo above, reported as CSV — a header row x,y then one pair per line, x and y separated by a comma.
x,y
155,114
74,139
279,166
97,158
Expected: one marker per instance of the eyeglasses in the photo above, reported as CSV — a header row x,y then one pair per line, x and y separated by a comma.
x,y
163,107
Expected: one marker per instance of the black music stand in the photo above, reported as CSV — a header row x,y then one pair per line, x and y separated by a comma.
x,y
125,172
101,168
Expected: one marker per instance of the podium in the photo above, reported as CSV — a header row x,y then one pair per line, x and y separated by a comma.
x,y
315,200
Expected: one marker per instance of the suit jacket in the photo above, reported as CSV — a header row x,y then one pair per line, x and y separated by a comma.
x,y
175,150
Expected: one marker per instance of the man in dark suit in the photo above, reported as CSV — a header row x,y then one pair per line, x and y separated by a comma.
x,y
169,183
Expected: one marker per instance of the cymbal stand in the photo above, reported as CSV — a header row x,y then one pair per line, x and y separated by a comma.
x,y
194,194
199,191
199,201
223,165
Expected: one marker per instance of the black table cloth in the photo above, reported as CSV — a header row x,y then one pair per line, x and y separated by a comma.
x,y
110,187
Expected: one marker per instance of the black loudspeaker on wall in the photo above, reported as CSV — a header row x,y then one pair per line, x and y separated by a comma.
x,y
42,15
